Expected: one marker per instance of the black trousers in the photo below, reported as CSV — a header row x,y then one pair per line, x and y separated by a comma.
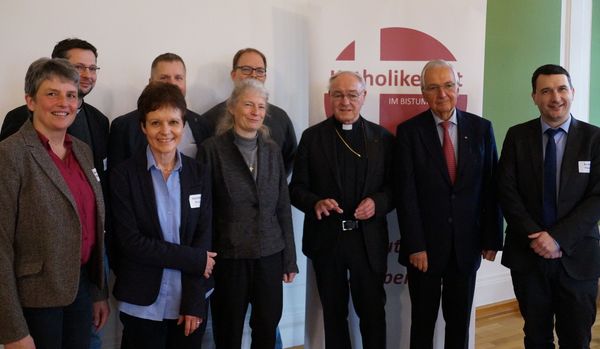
x,y
239,282
65,327
141,333
455,290
347,271
550,299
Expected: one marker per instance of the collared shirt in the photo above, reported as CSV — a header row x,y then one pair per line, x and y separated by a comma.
x,y
168,205
452,130
188,143
561,141
82,193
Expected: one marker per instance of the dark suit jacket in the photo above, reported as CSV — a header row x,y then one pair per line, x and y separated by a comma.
x,y
436,216
280,127
40,231
126,136
138,250
520,188
316,176
97,123
252,219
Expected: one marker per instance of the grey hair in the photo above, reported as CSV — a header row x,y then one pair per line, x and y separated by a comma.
x,y
226,122
45,69
361,80
435,64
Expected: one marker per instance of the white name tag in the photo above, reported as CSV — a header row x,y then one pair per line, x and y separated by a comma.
x,y
195,200
585,166
96,174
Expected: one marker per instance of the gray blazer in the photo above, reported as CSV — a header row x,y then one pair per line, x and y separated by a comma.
x,y
40,234
251,219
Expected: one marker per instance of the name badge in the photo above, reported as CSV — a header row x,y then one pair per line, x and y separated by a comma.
x,y
195,200
96,174
585,166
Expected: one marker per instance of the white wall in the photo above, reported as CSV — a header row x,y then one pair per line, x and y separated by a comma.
x,y
129,34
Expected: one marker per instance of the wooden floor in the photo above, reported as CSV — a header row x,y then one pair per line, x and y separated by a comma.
x,y
502,327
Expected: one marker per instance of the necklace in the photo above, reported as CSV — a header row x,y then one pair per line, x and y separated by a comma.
x,y
252,161
346,144
166,169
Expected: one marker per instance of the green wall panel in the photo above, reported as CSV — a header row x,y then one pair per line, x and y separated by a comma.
x,y
521,35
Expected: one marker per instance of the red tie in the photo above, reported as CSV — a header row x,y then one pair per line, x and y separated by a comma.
x,y
449,152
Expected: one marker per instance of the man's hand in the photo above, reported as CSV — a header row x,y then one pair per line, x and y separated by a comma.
x,y
191,323
322,207
419,260
23,343
210,263
544,245
288,277
100,313
489,255
365,210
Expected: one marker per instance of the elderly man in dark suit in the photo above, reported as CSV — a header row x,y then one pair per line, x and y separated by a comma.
x,y
341,181
446,205
126,135
549,188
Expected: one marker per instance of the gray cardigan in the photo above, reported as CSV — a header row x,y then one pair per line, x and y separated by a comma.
x,y
250,219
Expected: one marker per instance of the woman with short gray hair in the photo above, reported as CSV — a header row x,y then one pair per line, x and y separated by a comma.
x,y
51,209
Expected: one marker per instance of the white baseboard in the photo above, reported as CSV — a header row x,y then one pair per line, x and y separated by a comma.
x,y
493,283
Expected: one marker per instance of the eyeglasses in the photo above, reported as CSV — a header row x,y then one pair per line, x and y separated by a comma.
x,y
246,70
81,68
352,96
448,87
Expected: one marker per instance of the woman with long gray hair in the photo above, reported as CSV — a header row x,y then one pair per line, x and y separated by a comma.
x,y
252,221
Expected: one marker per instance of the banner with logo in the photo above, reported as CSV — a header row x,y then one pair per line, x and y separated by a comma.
x,y
388,45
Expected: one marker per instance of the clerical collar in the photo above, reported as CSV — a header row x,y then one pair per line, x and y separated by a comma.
x,y
348,127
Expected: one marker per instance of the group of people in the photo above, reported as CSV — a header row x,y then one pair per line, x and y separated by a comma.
x,y
183,223
197,210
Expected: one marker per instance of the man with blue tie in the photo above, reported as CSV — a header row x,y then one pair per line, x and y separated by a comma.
x,y
446,205
549,190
